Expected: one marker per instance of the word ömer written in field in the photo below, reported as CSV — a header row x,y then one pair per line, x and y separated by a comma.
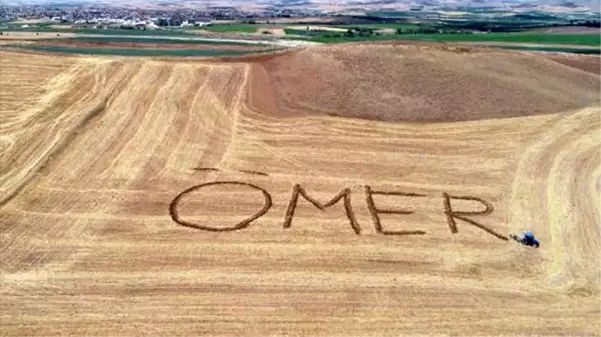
x,y
452,215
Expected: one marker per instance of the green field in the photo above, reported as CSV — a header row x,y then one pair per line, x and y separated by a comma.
x,y
172,32
568,39
377,26
123,39
536,38
584,51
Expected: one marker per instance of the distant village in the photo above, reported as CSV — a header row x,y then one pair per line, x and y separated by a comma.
x,y
111,17
108,16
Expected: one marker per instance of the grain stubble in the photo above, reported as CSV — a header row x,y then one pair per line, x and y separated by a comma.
x,y
89,245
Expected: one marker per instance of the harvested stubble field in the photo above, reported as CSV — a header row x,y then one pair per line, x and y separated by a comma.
x,y
149,46
103,160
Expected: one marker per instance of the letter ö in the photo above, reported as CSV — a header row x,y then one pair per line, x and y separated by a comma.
x,y
241,225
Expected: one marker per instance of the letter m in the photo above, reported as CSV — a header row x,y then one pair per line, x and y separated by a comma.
x,y
298,190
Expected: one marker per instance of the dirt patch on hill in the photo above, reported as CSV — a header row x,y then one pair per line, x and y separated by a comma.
x,y
416,83
591,64
272,31
386,31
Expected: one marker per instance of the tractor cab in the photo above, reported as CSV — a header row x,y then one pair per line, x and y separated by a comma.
x,y
527,239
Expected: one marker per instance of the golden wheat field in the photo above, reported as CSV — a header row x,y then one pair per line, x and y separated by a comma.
x,y
169,197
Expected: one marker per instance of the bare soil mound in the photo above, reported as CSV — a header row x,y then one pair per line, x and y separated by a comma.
x,y
591,64
417,83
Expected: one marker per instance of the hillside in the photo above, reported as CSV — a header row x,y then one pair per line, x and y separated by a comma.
x,y
157,197
418,83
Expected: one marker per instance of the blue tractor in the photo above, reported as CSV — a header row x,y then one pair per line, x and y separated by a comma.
x,y
527,239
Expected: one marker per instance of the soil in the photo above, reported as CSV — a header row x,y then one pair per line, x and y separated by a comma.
x,y
416,83
272,31
591,64
386,31
34,35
